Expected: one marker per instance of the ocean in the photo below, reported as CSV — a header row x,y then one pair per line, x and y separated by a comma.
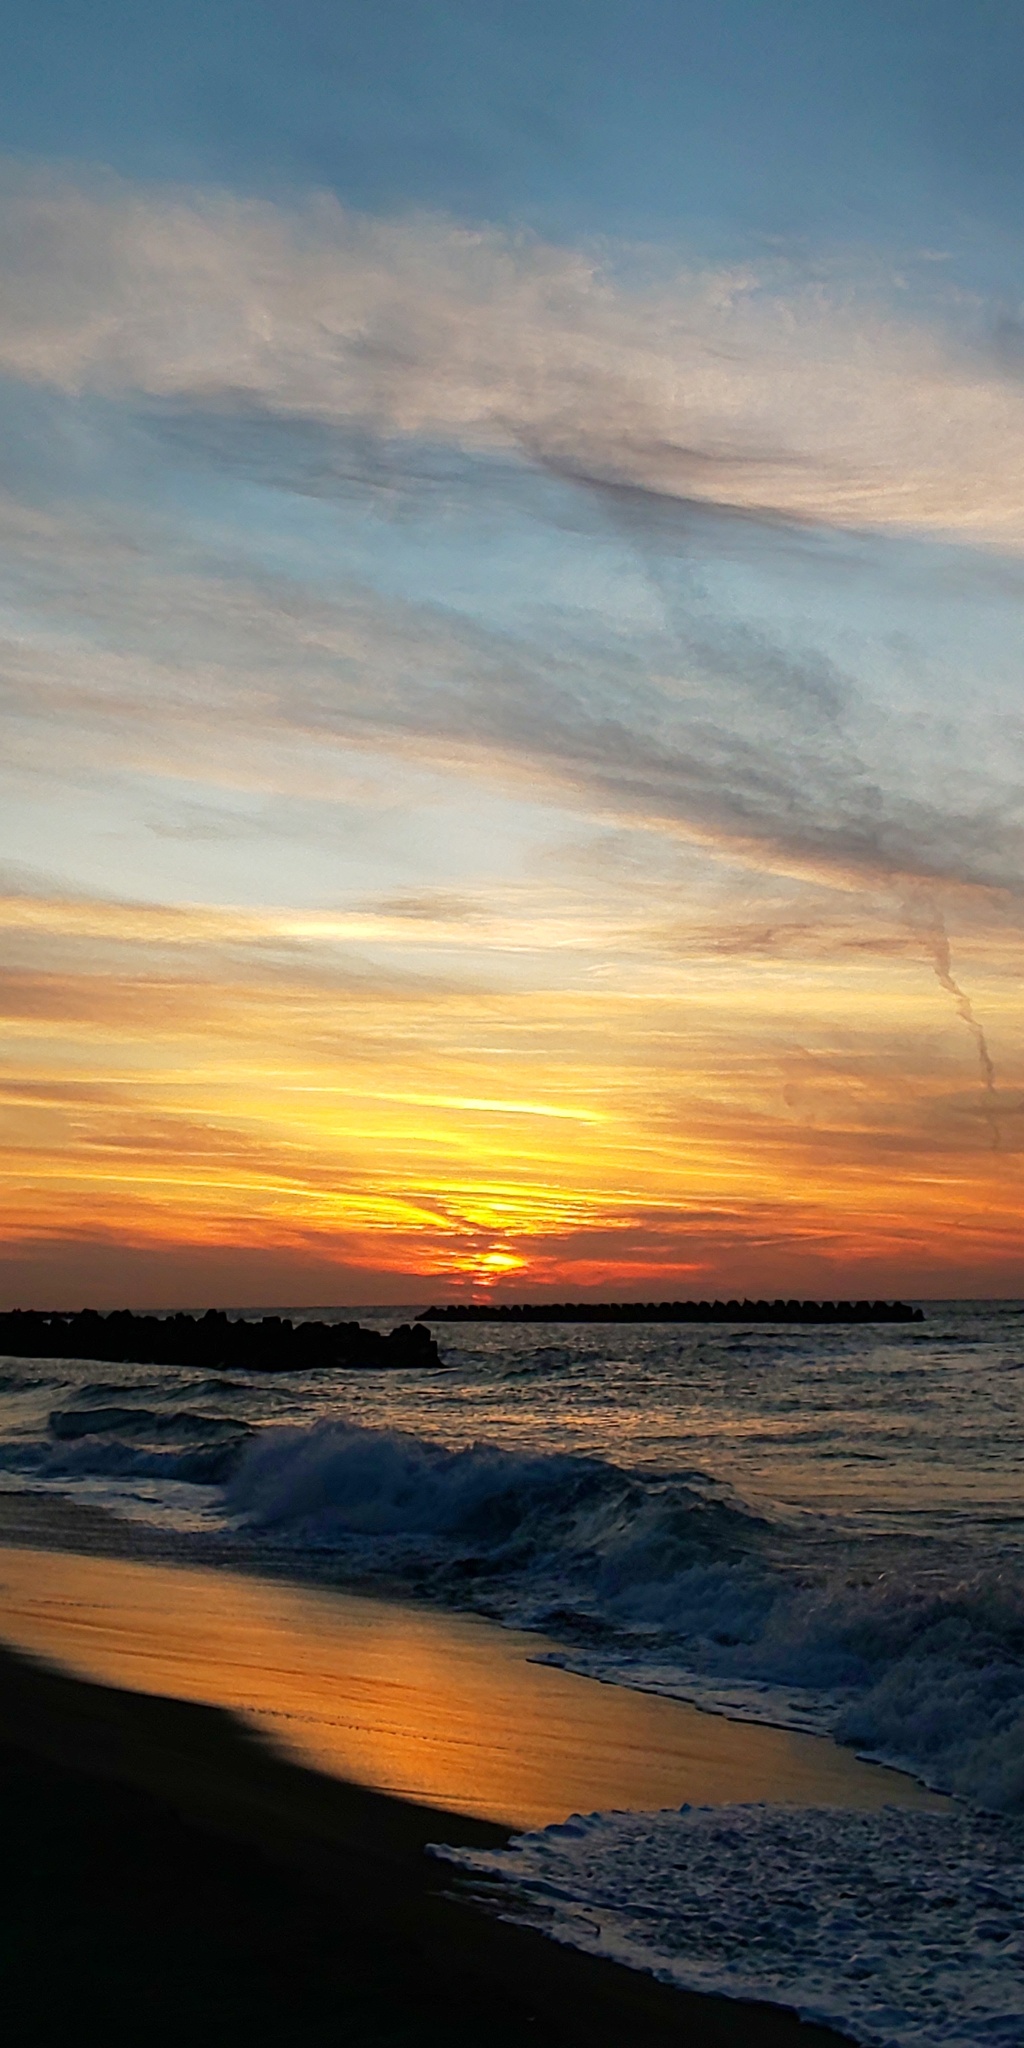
x,y
822,1528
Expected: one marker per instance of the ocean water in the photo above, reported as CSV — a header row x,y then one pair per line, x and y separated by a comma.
x,y
900,1928
818,1527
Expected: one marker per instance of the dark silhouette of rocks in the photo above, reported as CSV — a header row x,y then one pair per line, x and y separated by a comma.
x,y
214,1341
674,1312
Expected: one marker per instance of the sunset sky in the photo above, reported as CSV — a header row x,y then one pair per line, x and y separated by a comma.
x,y
513,620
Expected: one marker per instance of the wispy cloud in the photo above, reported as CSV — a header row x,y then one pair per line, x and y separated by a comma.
x,y
130,651
703,726
761,389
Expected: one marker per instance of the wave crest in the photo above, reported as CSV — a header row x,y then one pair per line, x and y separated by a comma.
x,y
338,1480
670,1583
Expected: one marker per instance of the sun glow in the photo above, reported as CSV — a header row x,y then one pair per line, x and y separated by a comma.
x,y
598,1143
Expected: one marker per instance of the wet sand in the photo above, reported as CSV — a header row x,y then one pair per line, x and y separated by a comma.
x,y
168,1878
445,1710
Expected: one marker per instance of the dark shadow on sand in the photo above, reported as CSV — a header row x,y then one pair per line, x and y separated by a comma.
x,y
168,1878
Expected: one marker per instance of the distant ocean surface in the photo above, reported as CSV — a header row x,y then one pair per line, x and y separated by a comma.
x,y
821,1527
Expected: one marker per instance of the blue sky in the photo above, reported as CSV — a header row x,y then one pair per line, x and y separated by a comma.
x,y
541,488
817,118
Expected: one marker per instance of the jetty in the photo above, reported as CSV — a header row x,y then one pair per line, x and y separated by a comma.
x,y
674,1312
215,1341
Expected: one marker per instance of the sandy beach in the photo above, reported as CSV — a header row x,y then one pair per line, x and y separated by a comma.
x,y
446,1709
182,1861
168,1877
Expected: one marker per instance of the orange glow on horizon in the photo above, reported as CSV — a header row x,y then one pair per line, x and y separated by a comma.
x,y
704,1124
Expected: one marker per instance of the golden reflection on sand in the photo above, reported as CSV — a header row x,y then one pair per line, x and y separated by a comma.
x,y
440,1708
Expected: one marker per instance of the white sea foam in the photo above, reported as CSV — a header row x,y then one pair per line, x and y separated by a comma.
x,y
905,1929
670,1584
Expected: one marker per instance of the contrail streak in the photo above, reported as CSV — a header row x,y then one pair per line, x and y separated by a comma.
x,y
943,965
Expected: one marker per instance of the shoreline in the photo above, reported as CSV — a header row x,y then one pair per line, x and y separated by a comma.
x,y
446,1708
51,1523
157,1848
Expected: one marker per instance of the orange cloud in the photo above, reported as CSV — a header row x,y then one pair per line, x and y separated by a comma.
x,y
703,1125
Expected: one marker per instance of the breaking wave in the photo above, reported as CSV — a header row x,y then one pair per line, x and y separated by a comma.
x,y
127,1442
338,1479
667,1582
